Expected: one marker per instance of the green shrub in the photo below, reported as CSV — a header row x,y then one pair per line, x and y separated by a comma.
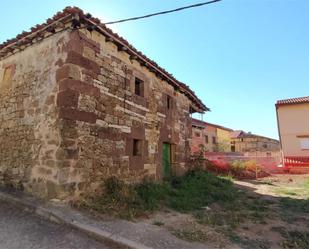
x,y
241,168
192,191
238,167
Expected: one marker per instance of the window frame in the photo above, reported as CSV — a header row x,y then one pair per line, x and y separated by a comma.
x,y
169,102
206,139
214,140
139,87
137,147
304,143
197,134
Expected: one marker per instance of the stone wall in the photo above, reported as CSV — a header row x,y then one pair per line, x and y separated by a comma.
x,y
256,144
29,127
69,116
101,116
203,137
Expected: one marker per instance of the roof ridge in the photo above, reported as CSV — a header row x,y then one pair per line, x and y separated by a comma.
x,y
70,10
297,100
216,125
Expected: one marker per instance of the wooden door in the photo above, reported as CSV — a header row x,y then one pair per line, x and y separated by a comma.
x,y
166,155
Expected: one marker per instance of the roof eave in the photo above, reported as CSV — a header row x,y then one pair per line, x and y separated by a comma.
x,y
73,13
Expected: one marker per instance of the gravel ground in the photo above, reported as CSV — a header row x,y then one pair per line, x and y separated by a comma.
x,y
22,230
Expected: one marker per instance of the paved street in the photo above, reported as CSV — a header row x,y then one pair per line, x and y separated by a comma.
x,y
21,230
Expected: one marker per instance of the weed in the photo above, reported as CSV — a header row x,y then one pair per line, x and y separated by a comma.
x,y
192,234
266,182
293,239
295,205
199,189
158,223
186,193
306,185
250,243
241,168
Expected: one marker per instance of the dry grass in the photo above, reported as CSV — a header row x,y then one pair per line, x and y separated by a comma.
x,y
250,221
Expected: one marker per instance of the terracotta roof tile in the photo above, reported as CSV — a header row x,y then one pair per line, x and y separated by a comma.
x,y
203,123
292,101
20,39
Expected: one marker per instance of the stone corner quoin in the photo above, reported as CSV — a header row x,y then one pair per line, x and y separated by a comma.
x,y
71,116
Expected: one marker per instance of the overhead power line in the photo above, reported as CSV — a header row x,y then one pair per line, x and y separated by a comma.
x,y
163,12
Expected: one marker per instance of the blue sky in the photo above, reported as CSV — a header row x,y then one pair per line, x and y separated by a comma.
x,y
239,56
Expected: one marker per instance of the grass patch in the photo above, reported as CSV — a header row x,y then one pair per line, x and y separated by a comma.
x,y
296,239
192,235
281,191
293,239
199,189
196,193
230,215
247,243
192,191
306,185
295,205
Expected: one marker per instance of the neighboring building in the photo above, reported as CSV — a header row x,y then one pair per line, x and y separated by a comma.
x,y
78,104
211,137
203,137
216,138
223,138
248,142
293,126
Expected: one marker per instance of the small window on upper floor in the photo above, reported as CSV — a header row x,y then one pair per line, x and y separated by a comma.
x,y
206,139
168,102
214,140
139,87
304,143
8,73
197,134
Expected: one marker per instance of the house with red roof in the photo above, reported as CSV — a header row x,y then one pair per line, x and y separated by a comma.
x,y
79,104
293,128
210,137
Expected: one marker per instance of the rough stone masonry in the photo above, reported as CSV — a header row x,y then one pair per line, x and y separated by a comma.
x,y
79,104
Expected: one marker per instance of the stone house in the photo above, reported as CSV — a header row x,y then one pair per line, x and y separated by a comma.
x,y
203,136
211,137
250,143
217,138
78,104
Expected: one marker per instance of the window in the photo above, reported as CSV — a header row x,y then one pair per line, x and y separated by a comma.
x,y
206,139
137,147
265,146
168,102
233,148
197,134
139,87
304,143
8,73
214,140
